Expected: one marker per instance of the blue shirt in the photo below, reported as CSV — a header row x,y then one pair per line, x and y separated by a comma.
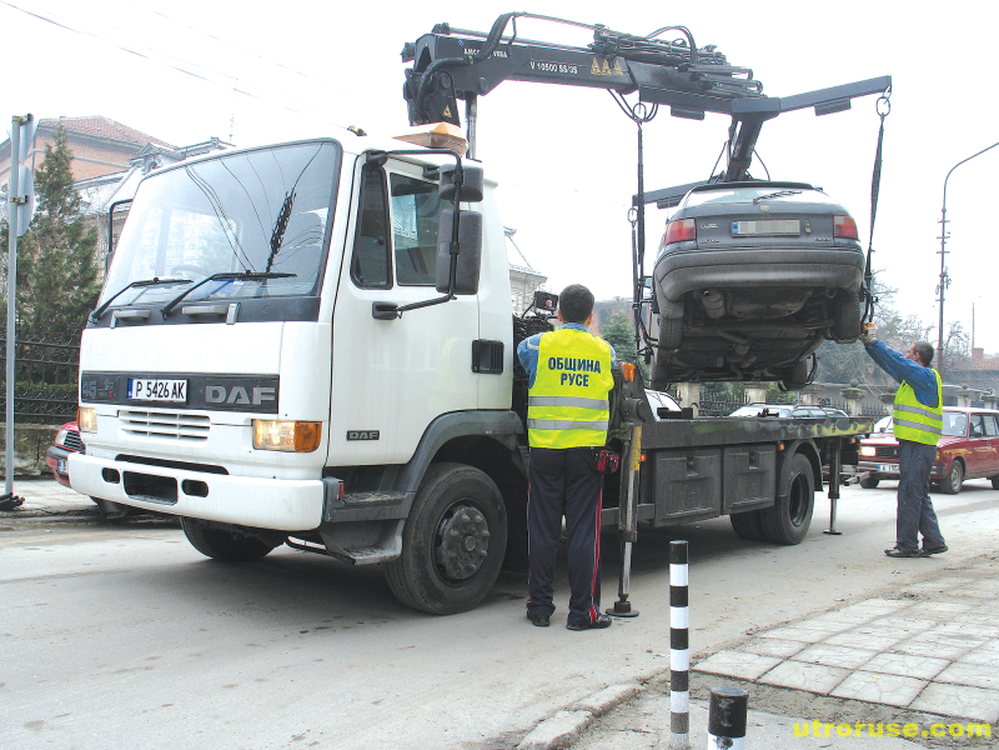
x,y
527,351
922,379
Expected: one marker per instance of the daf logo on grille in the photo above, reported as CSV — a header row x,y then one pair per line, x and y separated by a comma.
x,y
239,395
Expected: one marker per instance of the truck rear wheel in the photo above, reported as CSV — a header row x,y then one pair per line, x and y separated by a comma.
x,y
223,544
453,542
788,520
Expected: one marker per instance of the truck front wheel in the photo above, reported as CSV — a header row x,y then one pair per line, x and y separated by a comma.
x,y
453,542
224,544
787,521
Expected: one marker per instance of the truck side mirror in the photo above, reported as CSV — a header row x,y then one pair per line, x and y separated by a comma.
x,y
466,256
471,184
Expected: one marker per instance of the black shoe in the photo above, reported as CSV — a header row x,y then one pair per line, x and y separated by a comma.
x,y
927,551
896,552
539,620
602,621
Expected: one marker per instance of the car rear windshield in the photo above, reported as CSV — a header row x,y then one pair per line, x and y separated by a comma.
x,y
748,194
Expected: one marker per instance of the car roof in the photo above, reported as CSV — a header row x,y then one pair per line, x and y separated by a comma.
x,y
753,184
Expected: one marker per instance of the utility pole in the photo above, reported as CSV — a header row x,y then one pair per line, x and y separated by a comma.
x,y
20,204
944,276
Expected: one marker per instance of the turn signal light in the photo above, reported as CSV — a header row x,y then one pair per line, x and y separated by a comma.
x,y
286,435
680,231
845,227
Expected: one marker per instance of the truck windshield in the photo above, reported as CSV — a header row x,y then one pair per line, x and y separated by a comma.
x,y
254,220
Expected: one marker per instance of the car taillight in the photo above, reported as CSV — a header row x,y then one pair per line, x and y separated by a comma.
x,y
680,231
846,227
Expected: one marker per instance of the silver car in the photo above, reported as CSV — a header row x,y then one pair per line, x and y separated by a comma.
x,y
751,278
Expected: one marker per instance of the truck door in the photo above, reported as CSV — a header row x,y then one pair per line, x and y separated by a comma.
x,y
391,378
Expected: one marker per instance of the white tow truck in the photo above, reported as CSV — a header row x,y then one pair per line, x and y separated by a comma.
x,y
313,343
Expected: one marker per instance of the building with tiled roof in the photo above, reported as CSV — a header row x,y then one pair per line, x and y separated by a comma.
x,y
100,146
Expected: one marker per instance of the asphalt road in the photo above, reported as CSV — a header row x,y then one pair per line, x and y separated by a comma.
x,y
124,636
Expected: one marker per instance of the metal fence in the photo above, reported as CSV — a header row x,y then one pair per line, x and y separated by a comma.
x,y
45,377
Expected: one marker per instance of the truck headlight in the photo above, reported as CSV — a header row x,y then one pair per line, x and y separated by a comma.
x,y
286,435
86,419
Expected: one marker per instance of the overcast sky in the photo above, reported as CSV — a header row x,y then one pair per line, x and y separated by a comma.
x,y
185,71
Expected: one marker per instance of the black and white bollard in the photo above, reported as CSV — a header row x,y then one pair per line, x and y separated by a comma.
x,y
679,648
727,718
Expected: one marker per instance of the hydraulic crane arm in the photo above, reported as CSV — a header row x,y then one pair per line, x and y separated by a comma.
x,y
452,64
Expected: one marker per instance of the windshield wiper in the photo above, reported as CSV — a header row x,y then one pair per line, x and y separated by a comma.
x,y
778,194
226,276
156,281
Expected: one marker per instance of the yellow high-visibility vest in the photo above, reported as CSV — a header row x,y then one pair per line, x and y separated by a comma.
x,y
915,421
568,405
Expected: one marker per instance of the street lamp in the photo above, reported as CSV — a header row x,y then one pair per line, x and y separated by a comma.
x,y
944,278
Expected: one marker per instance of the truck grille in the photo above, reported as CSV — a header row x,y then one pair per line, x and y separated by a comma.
x,y
165,424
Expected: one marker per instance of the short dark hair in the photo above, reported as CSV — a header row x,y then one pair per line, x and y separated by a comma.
x,y
923,350
575,303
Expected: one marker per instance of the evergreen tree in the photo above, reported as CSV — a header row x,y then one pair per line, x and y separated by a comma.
x,y
57,276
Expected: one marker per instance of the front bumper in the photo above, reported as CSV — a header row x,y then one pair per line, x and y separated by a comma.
x,y
257,502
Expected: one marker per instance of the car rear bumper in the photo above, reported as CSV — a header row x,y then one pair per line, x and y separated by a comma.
x,y
678,273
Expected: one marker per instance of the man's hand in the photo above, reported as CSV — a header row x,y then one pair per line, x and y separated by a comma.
x,y
867,337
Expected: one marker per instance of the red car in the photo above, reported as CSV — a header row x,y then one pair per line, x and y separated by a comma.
x,y
968,449
67,441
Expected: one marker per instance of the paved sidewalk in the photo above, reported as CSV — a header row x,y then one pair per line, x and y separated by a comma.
x,y
44,496
921,658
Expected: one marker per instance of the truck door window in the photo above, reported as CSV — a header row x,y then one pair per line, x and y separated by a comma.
x,y
369,266
415,215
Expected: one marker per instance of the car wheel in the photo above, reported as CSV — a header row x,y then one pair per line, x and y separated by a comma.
x,y
787,521
846,317
796,377
869,483
670,332
747,526
453,542
995,482
225,544
951,484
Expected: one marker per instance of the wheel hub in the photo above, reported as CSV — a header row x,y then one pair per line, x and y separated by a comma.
x,y
462,543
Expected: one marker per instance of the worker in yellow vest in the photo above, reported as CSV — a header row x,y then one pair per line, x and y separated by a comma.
x,y
918,422
568,409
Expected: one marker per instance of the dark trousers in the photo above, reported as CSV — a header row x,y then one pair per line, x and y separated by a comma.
x,y
564,483
915,514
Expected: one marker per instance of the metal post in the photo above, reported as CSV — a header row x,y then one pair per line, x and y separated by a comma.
x,y
13,198
627,524
727,718
944,278
835,466
679,647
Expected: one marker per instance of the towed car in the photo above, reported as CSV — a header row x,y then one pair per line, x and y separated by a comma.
x,y
751,278
968,449
788,411
67,441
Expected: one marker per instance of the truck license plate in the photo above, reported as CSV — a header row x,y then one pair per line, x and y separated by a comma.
x,y
156,389
887,468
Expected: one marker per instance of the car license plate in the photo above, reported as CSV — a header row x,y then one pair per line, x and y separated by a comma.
x,y
157,389
61,465
767,228
887,468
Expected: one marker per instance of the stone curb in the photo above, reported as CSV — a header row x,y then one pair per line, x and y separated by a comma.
x,y
567,725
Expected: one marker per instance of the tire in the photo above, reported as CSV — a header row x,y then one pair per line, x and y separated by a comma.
x,y
869,483
951,484
846,317
995,482
223,544
748,526
788,520
453,542
670,332
796,377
